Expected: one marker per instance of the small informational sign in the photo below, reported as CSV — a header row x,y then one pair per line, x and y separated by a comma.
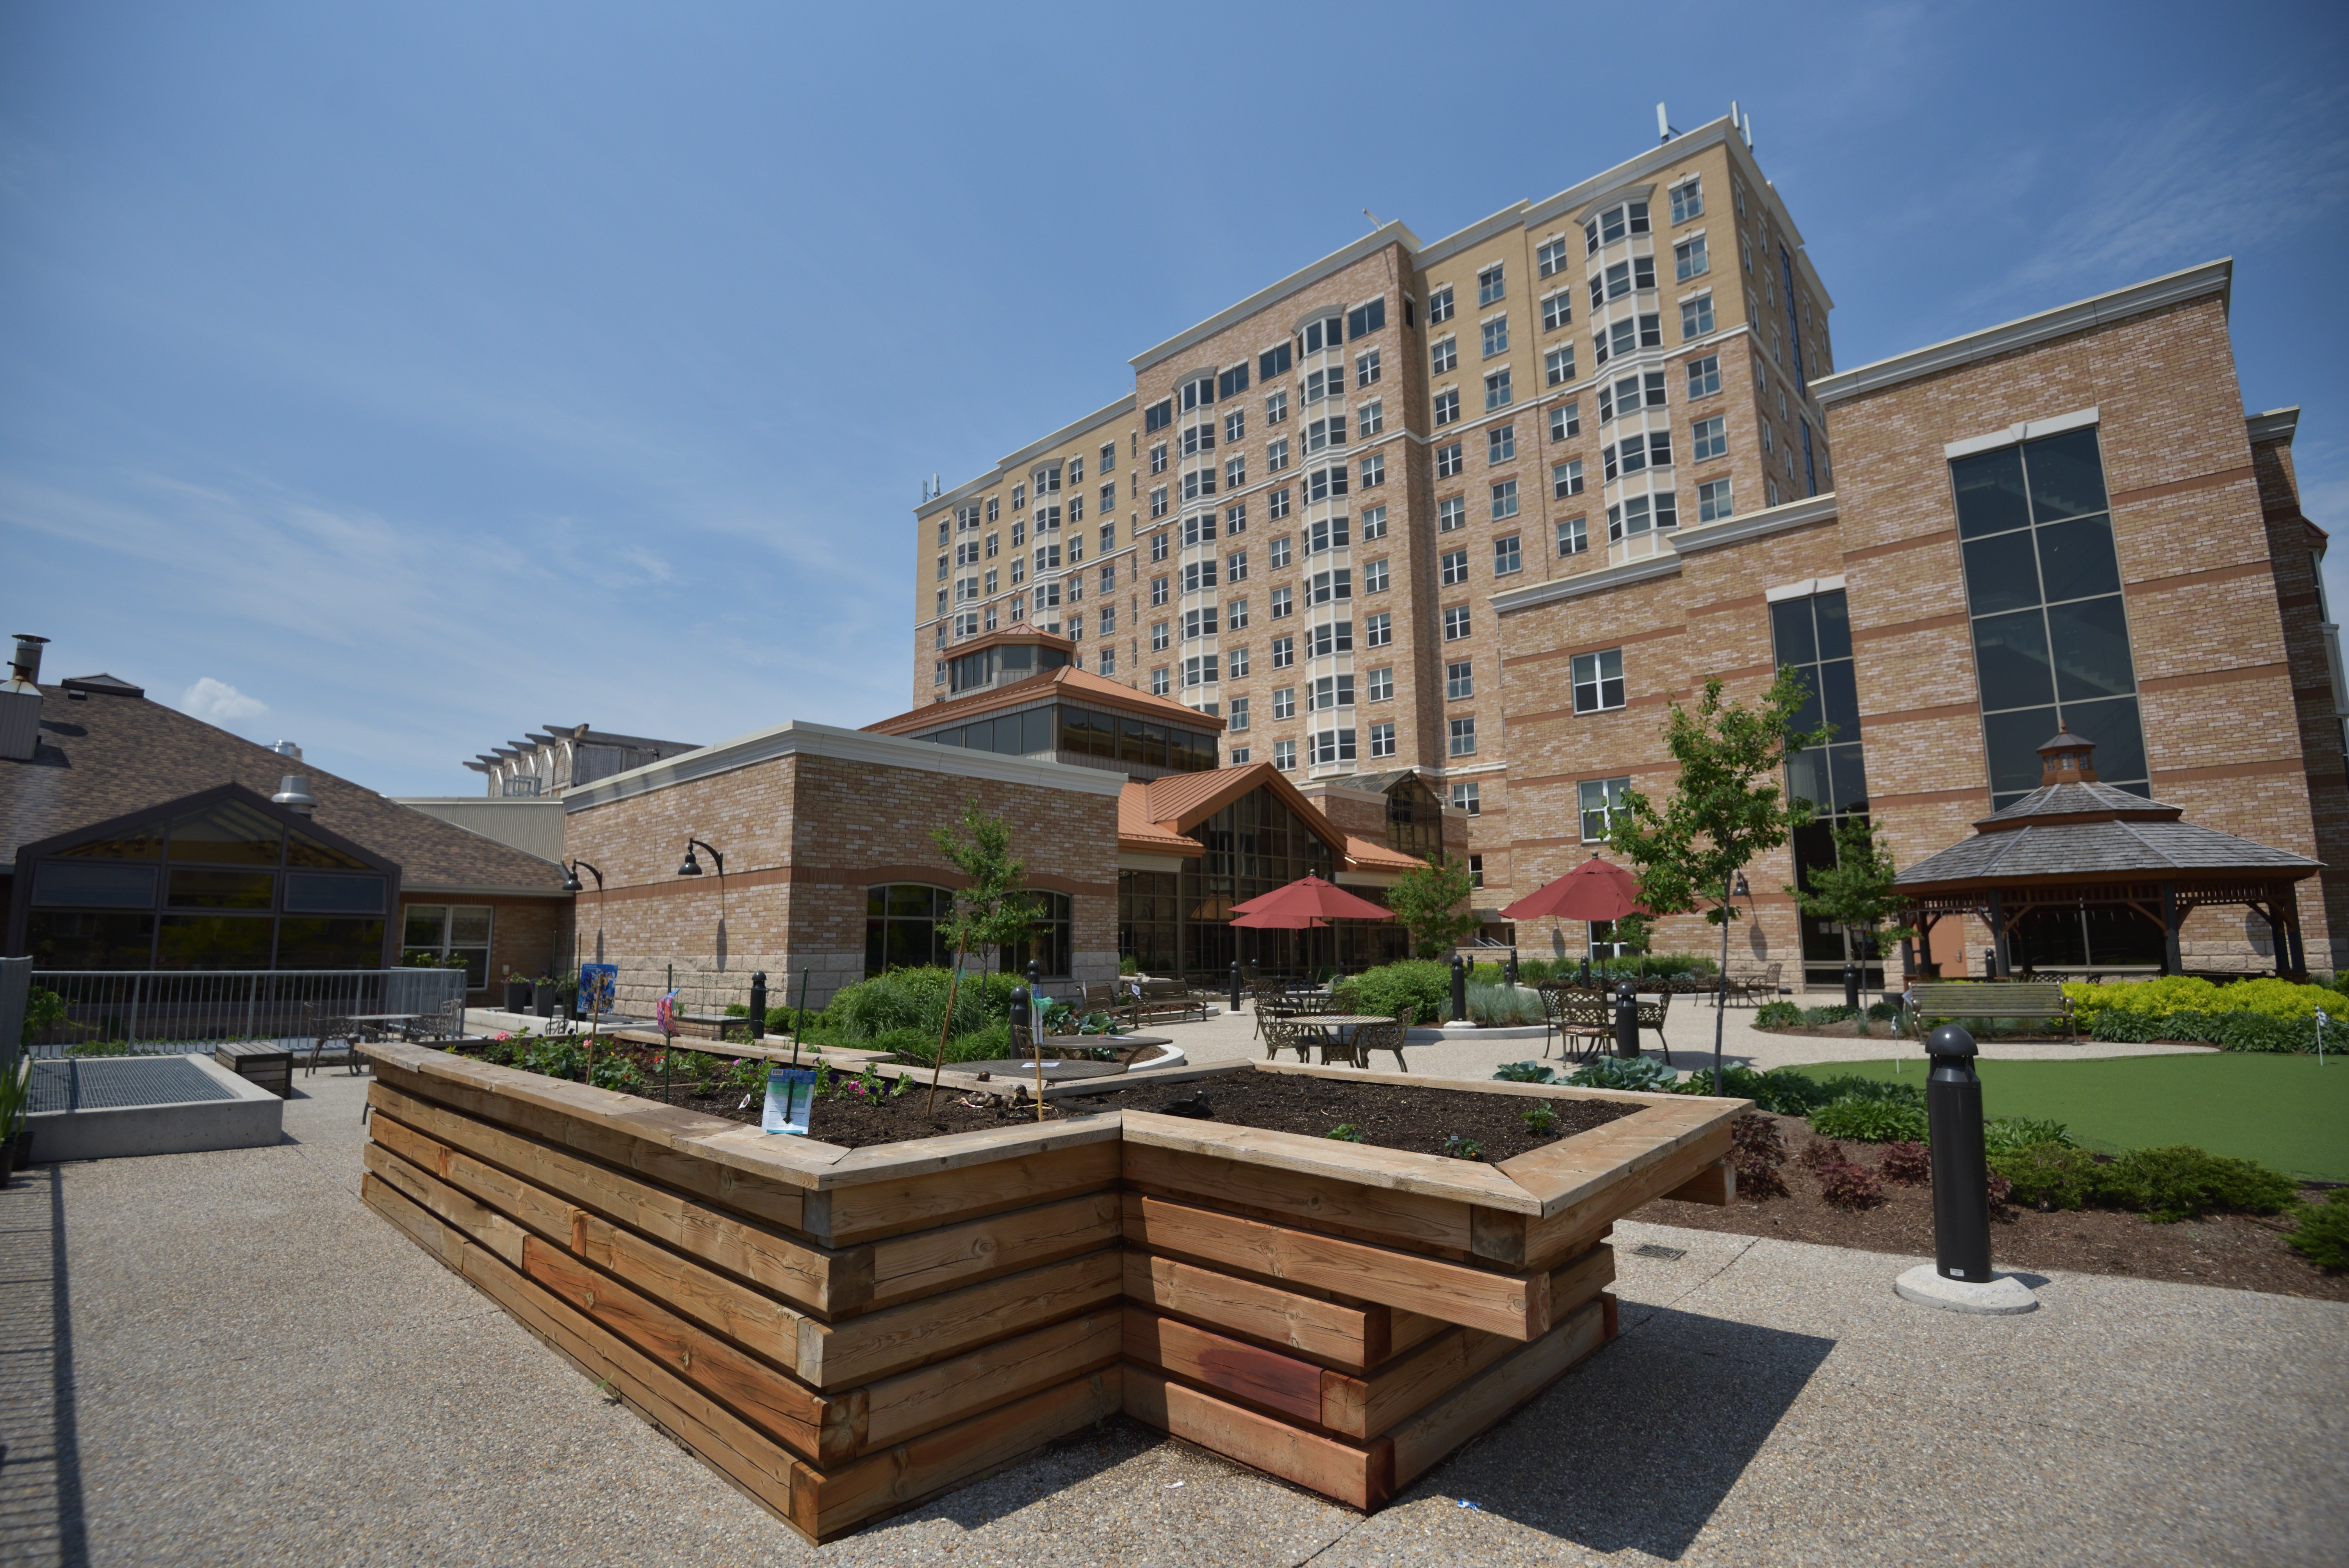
x,y
598,984
791,1096
664,1014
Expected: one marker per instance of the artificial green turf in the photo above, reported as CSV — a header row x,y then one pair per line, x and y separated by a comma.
x,y
2284,1111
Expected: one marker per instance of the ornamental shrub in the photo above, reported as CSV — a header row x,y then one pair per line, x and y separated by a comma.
x,y
1777,1015
2011,1134
1755,1152
1908,1163
2180,1180
2323,1231
1870,1121
1503,1005
1525,1072
1423,982
1781,1090
2173,994
1626,1072
2049,1175
917,999
1848,1186
1848,1087
1837,1013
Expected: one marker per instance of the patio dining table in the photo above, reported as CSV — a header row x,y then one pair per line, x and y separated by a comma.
x,y
1336,1032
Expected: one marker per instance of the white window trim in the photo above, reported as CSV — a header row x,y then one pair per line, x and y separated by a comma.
x,y
1804,589
1694,293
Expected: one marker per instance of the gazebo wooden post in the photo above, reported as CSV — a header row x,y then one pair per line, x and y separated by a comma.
x,y
2172,962
1999,969
2282,904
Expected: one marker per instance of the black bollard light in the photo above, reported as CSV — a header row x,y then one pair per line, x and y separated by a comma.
x,y
1953,1114
1851,984
1459,990
758,1006
1513,967
1236,984
1022,1023
1626,1020
1585,981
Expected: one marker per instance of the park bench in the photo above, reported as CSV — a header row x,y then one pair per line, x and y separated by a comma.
x,y
1164,998
2027,999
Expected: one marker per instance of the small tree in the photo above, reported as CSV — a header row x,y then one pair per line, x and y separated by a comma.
x,y
993,910
1432,902
1726,807
1856,892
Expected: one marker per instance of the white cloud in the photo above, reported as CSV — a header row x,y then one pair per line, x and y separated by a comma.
x,y
217,702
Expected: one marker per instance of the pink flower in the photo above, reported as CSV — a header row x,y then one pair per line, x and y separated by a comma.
x,y
503,1035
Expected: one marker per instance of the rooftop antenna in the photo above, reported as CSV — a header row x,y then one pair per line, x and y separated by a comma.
x,y
1748,129
1732,117
1373,217
1663,127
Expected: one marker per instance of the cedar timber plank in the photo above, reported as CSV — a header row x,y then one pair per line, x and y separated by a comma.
x,y
1501,1387
636,1135
443,1241
891,1205
1249,1372
911,1403
1418,1377
1355,1165
877,1344
478,1221
929,1261
1356,1337
1361,1476
1715,1185
808,1274
709,1298
1567,1232
1511,1303
1327,1203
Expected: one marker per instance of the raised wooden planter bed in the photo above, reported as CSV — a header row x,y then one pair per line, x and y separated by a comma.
x,y
845,1332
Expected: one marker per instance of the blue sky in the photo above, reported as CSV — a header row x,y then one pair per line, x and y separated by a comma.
x,y
397,379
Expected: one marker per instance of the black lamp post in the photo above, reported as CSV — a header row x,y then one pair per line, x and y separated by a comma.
x,y
1953,1112
571,870
693,868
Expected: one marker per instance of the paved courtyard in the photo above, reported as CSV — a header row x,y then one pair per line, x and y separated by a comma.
x,y
224,1358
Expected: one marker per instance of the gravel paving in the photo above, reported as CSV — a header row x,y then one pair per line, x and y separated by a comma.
x,y
226,1358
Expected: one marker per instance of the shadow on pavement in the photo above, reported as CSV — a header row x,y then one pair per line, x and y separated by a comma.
x,y
1636,1448
41,1447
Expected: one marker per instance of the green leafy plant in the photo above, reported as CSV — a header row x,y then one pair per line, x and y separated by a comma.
x,y
1626,1072
1525,1072
1460,1146
1386,990
1432,902
1345,1133
1129,965
1870,1121
618,1072
823,1080
1541,1120
1781,1090
16,1097
1777,1015
1726,808
2049,1175
1834,1012
1502,1006
43,1010
2323,1234
2008,1134
2180,1180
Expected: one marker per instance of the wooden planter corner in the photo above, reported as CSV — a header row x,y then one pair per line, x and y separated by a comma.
x,y
843,1333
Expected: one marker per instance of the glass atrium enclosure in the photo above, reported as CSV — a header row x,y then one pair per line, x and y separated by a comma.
x,y
1064,732
217,880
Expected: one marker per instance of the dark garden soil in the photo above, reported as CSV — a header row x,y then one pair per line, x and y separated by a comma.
x,y
2241,1252
1416,1120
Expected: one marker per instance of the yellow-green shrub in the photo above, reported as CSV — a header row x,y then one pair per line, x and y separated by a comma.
x,y
2270,997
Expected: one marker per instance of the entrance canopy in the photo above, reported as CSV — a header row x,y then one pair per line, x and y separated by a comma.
x,y
2080,875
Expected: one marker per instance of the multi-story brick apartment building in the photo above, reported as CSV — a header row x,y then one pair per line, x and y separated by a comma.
x,y
2067,521
1296,520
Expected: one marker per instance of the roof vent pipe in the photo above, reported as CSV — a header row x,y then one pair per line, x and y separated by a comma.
x,y
25,664
287,749
20,701
293,794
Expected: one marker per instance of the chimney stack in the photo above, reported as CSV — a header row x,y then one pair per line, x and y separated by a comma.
x,y
20,701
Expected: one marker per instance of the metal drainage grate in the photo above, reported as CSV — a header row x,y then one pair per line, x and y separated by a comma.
x,y
120,1083
1651,1250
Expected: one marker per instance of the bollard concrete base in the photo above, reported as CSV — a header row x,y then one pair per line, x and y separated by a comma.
x,y
2003,1295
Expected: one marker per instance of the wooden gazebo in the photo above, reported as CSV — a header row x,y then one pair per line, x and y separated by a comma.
x,y
2078,871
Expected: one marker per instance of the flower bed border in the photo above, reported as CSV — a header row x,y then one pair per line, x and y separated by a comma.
x,y
843,1334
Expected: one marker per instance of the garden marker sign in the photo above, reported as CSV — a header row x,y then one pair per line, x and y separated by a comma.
x,y
597,984
664,1014
791,1096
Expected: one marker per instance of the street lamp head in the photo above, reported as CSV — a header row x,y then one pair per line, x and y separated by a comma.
x,y
693,868
1741,888
570,879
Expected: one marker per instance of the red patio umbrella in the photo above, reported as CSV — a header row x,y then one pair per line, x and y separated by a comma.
x,y
1594,890
1307,896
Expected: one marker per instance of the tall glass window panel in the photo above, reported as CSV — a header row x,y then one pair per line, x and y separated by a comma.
x,y
1814,635
2050,625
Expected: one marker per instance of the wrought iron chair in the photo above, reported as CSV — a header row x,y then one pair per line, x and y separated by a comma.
x,y
341,1026
1386,1037
1283,1033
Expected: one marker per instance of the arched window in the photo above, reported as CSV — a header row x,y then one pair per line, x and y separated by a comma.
x,y
902,923
1049,946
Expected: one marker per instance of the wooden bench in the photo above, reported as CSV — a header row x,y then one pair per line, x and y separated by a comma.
x,y
1994,999
269,1066
1164,998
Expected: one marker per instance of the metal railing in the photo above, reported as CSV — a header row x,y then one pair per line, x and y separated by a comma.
x,y
181,1012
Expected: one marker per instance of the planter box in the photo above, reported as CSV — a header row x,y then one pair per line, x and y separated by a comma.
x,y
845,1333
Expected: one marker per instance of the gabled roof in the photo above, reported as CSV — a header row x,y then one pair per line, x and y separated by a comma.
x,y
104,754
1157,817
1067,682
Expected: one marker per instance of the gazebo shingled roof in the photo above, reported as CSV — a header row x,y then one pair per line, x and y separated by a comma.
x,y
2075,840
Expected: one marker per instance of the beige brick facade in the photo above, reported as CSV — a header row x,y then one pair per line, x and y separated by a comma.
x,y
807,818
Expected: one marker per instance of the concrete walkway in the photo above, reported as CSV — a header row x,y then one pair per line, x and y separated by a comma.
x,y
1688,1029
224,1358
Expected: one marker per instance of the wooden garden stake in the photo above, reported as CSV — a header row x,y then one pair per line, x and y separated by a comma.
x,y
945,1028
